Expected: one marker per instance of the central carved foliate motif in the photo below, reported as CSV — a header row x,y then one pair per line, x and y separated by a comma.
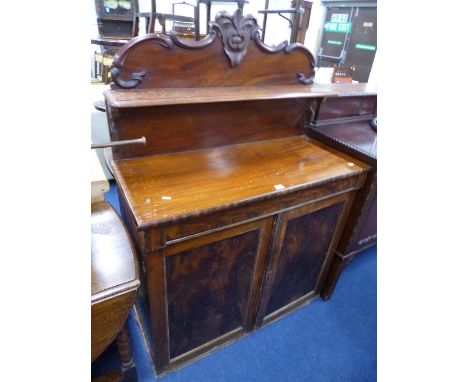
x,y
236,32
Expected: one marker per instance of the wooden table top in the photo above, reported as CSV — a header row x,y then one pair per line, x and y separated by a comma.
x,y
113,264
166,187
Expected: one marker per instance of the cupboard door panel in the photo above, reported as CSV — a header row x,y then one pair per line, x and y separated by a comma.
x,y
305,244
208,290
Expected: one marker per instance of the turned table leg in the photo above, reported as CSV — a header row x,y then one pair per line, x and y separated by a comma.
x,y
127,364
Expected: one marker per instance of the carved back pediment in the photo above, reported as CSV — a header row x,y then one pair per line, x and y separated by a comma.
x,y
232,54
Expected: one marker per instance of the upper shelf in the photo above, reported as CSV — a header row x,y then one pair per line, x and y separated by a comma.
x,y
178,96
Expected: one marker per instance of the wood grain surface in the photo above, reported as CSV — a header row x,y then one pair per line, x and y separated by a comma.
x,y
180,96
112,260
305,243
176,128
162,188
173,96
208,290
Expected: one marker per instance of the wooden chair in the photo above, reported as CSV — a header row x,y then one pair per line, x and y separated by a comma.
x,y
162,18
296,21
240,5
342,74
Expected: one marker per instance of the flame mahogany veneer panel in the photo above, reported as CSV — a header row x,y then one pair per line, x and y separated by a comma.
x,y
208,290
305,244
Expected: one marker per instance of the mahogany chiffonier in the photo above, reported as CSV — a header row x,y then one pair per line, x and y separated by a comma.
x,y
235,212
344,121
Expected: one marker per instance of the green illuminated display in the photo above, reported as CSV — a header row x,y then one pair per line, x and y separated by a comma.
x,y
365,47
338,27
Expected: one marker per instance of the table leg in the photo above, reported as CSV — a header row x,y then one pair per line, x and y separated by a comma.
x,y
264,21
197,22
104,73
95,65
127,364
208,16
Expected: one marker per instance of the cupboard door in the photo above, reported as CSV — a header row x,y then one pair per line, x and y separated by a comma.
x,y
301,246
212,286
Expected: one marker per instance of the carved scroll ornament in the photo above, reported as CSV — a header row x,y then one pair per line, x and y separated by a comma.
x,y
235,31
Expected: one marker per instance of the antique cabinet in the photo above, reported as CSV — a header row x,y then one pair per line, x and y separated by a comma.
x,y
343,121
234,210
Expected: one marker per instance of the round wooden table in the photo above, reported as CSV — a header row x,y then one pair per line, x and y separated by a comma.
x,y
114,284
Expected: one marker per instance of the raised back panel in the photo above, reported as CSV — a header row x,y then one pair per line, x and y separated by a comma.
x,y
186,127
231,55
208,290
305,245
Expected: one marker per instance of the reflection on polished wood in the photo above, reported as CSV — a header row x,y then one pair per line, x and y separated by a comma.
x,y
166,187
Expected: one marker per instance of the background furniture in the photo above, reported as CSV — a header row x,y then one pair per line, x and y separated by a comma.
x,y
303,20
152,16
114,278
344,122
298,21
234,211
342,74
117,18
240,4
184,29
117,23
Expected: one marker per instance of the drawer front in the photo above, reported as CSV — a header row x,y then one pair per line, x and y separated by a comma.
x,y
200,225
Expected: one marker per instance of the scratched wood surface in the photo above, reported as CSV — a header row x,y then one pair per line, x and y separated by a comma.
x,y
163,187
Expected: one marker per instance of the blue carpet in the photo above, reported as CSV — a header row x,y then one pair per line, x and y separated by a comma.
x,y
323,341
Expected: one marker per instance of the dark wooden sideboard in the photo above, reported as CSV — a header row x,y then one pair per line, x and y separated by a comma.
x,y
343,121
235,211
